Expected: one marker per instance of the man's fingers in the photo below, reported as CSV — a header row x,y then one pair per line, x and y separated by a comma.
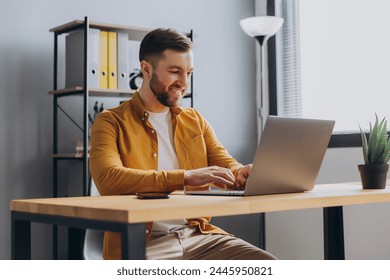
x,y
221,182
223,172
209,175
243,175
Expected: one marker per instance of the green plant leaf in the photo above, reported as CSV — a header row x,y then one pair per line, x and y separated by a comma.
x,y
364,145
371,138
376,147
379,140
384,159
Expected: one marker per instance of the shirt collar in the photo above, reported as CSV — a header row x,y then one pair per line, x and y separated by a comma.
x,y
141,111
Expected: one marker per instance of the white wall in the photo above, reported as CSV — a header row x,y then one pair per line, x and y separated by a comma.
x,y
224,75
338,64
341,33
299,234
224,85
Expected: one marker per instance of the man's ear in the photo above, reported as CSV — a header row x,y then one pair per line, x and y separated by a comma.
x,y
146,69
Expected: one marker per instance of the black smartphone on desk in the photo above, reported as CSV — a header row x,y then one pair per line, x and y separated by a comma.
x,y
152,195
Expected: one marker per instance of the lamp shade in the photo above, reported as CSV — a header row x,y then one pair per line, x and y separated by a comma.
x,y
261,25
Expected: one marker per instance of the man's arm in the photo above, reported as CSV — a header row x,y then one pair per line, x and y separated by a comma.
x,y
109,173
113,178
216,153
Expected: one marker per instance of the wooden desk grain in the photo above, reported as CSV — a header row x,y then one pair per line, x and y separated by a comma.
x,y
128,209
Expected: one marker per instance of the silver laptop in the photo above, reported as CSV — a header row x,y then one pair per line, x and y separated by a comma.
x,y
288,158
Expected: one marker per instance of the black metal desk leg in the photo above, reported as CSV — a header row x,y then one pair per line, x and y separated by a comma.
x,y
75,243
133,242
334,233
262,231
20,239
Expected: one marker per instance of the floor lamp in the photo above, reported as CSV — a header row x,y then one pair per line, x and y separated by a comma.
x,y
261,28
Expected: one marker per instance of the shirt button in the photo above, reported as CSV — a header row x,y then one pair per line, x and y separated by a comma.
x,y
145,114
153,131
154,155
147,231
143,119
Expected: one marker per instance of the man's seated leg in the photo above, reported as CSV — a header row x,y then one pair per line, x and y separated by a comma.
x,y
191,244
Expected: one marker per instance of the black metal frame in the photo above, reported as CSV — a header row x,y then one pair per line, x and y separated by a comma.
x,y
345,140
85,128
85,93
77,235
333,219
334,233
337,140
191,36
272,102
133,235
271,58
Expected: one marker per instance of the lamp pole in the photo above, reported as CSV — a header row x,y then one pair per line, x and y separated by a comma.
x,y
260,95
261,28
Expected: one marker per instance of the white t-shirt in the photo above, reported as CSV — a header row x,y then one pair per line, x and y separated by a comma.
x,y
167,160
162,124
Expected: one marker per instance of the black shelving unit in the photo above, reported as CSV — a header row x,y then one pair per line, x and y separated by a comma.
x,y
136,34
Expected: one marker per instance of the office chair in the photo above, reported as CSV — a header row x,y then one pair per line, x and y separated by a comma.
x,y
93,242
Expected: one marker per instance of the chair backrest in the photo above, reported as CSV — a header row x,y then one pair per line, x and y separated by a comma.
x,y
94,190
93,242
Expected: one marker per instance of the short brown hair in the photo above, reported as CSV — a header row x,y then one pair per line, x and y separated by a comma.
x,y
161,39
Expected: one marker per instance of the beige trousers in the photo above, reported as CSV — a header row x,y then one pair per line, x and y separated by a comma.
x,y
190,244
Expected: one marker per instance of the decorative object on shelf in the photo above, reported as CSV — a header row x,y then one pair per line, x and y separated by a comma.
x,y
97,49
96,111
376,153
80,148
136,79
261,28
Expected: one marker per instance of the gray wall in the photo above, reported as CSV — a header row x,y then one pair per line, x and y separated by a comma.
x,y
224,76
224,82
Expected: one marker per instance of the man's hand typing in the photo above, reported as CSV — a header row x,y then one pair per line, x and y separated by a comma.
x,y
242,176
218,176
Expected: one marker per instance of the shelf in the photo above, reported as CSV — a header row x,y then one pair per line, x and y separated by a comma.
x,y
98,92
135,33
69,156
84,90
93,92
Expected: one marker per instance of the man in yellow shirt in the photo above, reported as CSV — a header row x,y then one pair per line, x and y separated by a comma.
x,y
151,144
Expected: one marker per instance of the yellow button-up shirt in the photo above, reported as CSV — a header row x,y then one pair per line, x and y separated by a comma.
x,y
124,151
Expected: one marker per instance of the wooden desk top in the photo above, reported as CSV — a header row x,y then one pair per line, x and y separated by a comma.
x,y
129,209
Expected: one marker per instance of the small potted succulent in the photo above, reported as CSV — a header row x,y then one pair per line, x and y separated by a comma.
x,y
376,153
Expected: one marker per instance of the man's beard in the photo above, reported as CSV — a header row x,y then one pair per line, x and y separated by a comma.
x,y
162,95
